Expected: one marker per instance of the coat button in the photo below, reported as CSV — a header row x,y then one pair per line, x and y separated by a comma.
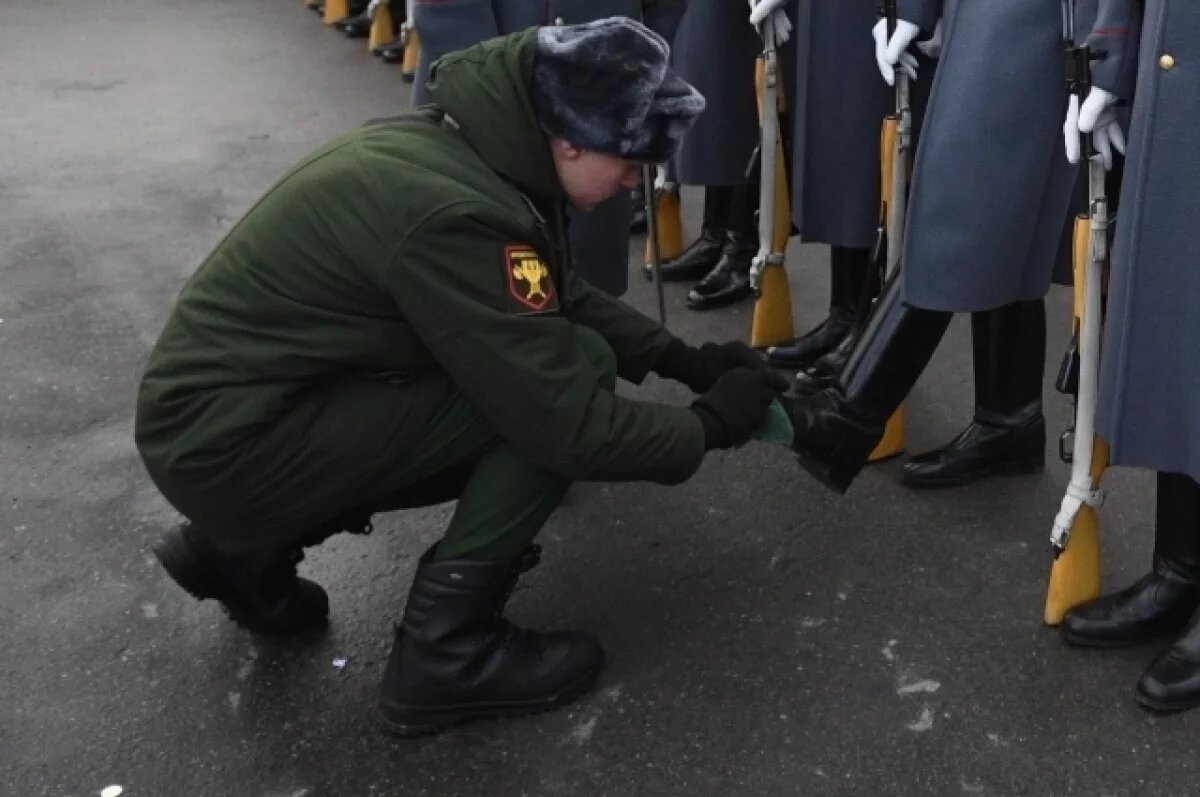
x,y
558,20
1167,62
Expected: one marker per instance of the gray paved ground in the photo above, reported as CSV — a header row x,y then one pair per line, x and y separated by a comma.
x,y
765,637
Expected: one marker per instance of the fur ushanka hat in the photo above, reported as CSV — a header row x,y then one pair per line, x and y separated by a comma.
x,y
607,86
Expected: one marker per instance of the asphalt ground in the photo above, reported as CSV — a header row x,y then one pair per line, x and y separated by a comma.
x,y
765,636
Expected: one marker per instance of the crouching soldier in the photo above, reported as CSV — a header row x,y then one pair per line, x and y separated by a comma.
x,y
396,324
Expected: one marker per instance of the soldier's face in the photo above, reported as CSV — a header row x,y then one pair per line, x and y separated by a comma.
x,y
589,178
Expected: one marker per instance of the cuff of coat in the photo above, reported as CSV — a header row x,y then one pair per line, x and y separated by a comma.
x,y
634,366
922,13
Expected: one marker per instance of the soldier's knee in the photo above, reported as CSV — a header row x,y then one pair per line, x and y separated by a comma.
x,y
601,356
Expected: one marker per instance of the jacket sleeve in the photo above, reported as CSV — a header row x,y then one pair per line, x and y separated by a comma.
x,y
1115,38
922,13
637,341
525,370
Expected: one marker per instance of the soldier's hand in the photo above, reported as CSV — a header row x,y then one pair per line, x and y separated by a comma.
x,y
892,52
699,368
771,12
737,405
1097,117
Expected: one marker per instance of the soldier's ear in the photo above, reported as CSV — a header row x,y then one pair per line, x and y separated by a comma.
x,y
565,149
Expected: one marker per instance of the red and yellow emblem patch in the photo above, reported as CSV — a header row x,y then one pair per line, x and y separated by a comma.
x,y
530,286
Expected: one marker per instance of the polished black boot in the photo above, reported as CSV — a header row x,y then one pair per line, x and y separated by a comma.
x,y
729,281
828,367
1008,433
1172,682
837,428
702,254
259,591
456,659
848,270
1165,598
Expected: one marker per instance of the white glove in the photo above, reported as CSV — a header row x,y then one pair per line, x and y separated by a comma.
x,y
660,177
773,13
894,52
1098,116
932,47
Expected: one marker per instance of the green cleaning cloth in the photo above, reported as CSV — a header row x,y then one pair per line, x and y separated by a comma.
x,y
777,428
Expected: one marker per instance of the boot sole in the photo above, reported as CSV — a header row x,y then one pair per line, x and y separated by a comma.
x,y
1100,643
1165,708
427,722
1015,468
196,577
835,478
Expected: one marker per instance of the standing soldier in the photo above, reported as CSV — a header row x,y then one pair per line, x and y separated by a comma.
x,y
986,213
836,191
835,159
716,50
599,238
1148,406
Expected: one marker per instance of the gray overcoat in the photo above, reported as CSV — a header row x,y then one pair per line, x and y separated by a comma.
x,y
599,238
991,187
1149,401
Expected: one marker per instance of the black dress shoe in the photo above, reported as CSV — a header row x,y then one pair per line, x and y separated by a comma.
x,y
700,257
987,447
392,53
358,28
828,367
808,348
850,277
378,49
1172,682
729,280
1160,603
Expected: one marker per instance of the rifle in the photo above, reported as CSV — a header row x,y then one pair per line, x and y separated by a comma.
x,y
654,253
895,158
1075,538
772,321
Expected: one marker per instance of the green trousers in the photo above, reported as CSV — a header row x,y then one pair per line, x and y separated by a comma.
x,y
373,445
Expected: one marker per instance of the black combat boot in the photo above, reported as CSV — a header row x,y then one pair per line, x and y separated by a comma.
x,y
837,428
848,269
456,659
1008,433
259,591
1165,598
702,254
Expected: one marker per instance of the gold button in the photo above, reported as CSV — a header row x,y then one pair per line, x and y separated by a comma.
x,y
1167,62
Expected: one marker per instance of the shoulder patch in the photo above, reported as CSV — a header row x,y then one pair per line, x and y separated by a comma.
x,y
530,286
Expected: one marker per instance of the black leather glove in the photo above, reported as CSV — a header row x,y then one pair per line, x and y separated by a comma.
x,y
737,405
700,368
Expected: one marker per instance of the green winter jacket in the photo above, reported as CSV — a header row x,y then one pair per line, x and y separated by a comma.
x,y
408,245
